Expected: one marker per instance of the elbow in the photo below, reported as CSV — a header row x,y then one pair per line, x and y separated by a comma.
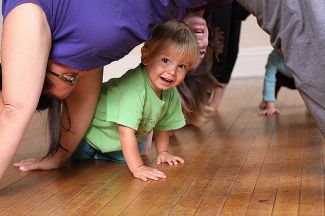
x,y
12,110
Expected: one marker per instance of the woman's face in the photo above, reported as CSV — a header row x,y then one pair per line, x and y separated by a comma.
x,y
63,79
199,27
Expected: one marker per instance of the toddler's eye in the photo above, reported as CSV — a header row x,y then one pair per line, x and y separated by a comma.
x,y
182,66
165,60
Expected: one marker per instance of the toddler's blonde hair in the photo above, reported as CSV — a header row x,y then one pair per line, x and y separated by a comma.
x,y
178,35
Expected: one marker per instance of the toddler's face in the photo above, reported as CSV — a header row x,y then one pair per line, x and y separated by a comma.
x,y
166,68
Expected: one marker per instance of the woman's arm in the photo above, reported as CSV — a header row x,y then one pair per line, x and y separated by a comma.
x,y
26,41
82,104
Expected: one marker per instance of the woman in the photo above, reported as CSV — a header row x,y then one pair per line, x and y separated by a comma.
x,y
298,28
70,40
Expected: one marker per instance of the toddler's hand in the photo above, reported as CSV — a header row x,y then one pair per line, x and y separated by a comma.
x,y
165,157
268,109
268,112
144,173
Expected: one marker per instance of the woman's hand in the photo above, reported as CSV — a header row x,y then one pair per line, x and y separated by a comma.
x,y
145,173
165,157
50,162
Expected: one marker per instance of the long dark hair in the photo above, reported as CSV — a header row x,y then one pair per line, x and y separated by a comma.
x,y
55,109
195,91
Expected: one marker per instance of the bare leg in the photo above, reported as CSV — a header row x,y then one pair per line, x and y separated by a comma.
x,y
216,97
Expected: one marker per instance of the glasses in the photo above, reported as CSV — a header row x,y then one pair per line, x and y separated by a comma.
x,y
71,79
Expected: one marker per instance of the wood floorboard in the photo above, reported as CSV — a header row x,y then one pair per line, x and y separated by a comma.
x,y
273,138
288,192
312,196
237,163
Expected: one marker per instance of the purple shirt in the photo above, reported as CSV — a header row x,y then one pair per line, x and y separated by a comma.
x,y
88,34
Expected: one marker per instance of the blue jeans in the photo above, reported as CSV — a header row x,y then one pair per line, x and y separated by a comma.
x,y
87,152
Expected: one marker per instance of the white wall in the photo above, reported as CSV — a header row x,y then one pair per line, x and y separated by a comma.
x,y
116,69
254,50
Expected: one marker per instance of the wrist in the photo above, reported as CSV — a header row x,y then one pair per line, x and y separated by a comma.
x,y
61,156
270,104
135,168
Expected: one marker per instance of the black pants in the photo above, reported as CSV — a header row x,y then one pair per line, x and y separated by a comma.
x,y
228,20
283,81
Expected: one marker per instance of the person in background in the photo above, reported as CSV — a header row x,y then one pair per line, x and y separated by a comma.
x,y
224,26
277,74
298,28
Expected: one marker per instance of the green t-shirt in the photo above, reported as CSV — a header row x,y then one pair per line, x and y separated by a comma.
x,y
130,101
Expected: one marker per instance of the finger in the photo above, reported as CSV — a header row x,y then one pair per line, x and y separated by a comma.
x,y
159,174
170,162
143,178
24,163
28,167
152,177
174,161
181,160
269,113
18,164
27,161
275,112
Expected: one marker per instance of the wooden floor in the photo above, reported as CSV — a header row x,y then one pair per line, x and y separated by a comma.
x,y
236,164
